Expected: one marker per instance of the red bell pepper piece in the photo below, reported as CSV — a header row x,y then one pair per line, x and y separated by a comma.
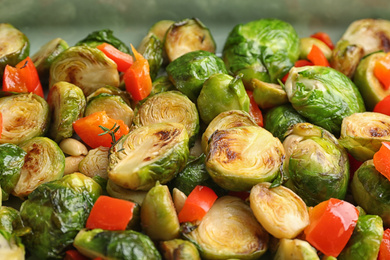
x,y
382,71
73,254
317,57
324,37
383,106
254,109
122,60
382,160
384,248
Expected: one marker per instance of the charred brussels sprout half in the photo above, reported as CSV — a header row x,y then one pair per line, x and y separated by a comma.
x,y
149,154
63,207
264,49
127,244
229,230
295,249
67,104
179,249
95,163
98,37
11,247
78,65
190,71
346,57
316,164
220,93
323,95
14,46
241,157
160,28
186,36
170,106
151,49
363,133
25,116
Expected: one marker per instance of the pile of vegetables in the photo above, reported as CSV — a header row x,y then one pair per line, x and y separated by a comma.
x,y
277,148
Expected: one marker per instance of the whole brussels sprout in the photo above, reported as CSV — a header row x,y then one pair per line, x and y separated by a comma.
x,y
295,249
63,207
316,164
179,249
98,37
264,49
151,48
323,95
220,93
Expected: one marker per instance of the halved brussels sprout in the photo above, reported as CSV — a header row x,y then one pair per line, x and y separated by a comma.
x,y
295,249
86,67
11,247
160,28
229,230
179,249
158,214
67,104
95,163
268,95
63,207
323,95
190,71
346,57
363,133
226,120
371,191
148,154
264,49
186,36
279,210
14,46
161,84
220,93
170,106
117,191
279,119
98,37
306,45
365,240
243,156
44,161
107,244
10,220
109,90
369,86
11,162
316,164
25,116
151,47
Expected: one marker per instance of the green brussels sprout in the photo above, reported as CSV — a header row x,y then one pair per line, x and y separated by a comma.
x,y
279,210
268,95
14,46
117,191
160,28
158,214
161,84
243,156
229,230
10,220
190,71
86,67
151,47
98,37
323,95
169,106
107,244
25,116
11,248
220,93
95,163
264,49
346,57
186,36
369,86
295,249
67,104
306,45
363,133
44,57
279,119
316,164
63,207
365,240
179,249
148,154
11,162
44,161
371,191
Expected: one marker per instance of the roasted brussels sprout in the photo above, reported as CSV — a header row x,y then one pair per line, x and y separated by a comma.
x,y
160,28
243,156
295,249
95,163
279,119
264,49
67,104
229,230
109,90
268,95
98,37
11,247
186,36
25,116
316,165
323,95
371,191
220,93
117,191
10,220
63,207
179,249
346,57
14,46
279,210
306,45
190,71
170,106
363,133
79,65
127,244
365,240
151,48
11,162
148,154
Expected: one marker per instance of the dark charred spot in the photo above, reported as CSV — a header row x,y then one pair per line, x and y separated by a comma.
x,y
30,162
385,41
147,159
166,135
375,132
